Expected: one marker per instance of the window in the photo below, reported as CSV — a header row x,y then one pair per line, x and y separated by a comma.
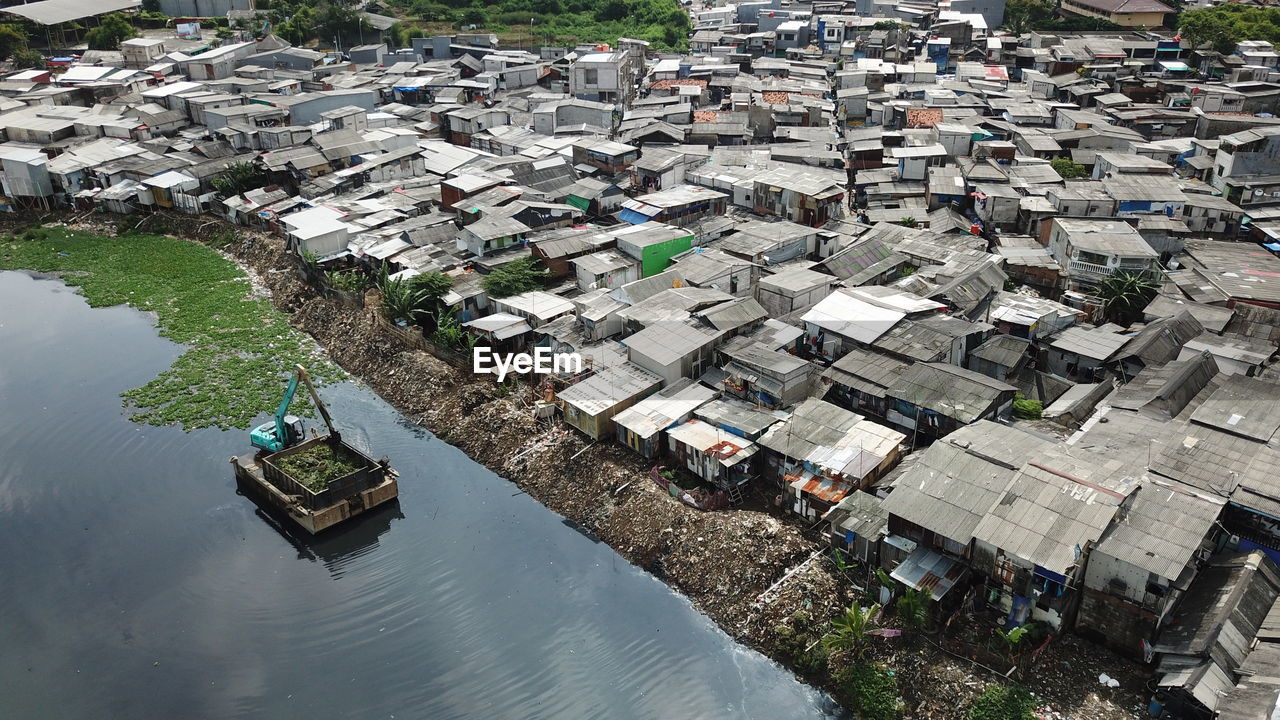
x,y
591,77
1092,257
1004,569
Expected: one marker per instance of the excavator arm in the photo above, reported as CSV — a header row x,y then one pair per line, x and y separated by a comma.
x,y
299,371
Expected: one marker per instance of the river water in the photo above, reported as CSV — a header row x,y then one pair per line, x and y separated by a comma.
x,y
135,582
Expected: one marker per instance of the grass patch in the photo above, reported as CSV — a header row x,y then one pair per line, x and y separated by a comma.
x,y
319,465
239,351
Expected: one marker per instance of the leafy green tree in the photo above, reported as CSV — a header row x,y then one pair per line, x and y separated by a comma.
x,y
1067,168
1021,16
513,278
28,58
450,334
151,6
908,221
1126,294
434,285
1001,702
351,281
399,35
1221,27
238,178
114,29
432,11
12,39
340,20
848,633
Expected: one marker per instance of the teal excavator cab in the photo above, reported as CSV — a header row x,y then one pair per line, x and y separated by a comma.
x,y
286,430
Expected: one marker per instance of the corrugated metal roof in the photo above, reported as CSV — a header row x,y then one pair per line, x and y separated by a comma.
x,y
1055,506
728,448
1003,350
866,371
1223,609
1205,459
664,409
954,392
954,482
1242,406
1091,342
608,388
1161,529
843,314
929,570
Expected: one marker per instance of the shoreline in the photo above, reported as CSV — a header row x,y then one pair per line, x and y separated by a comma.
x,y
719,561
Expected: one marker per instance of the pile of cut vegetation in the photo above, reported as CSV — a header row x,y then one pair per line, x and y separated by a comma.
x,y
320,464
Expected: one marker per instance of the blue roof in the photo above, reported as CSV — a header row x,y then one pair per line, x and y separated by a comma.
x,y
633,217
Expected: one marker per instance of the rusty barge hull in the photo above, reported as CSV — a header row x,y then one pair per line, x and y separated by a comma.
x,y
345,498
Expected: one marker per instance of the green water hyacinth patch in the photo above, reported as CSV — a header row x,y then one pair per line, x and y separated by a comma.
x,y
239,348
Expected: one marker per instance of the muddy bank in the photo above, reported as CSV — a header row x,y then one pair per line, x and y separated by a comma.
x,y
721,561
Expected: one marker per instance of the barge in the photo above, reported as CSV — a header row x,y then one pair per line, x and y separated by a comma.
x,y
317,483
259,476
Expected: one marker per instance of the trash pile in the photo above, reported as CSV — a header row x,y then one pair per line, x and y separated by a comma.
x,y
724,562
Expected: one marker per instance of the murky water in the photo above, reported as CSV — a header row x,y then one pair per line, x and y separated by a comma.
x,y
135,582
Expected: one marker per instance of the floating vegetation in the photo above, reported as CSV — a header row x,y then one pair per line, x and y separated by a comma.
x,y
240,349
318,465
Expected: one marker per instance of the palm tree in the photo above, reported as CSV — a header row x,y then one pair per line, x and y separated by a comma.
x,y
849,629
908,221
1126,294
401,302
913,609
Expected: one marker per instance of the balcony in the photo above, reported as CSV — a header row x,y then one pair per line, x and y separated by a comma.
x,y
1081,268
1086,270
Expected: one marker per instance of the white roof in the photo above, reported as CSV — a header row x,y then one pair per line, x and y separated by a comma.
x,y
538,304
730,449
52,12
851,317
170,179
501,325
85,73
312,217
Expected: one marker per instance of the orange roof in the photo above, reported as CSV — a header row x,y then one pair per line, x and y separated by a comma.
x,y
923,117
705,115
820,486
670,83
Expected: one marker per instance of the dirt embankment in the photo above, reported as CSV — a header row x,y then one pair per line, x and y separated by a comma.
x,y
721,561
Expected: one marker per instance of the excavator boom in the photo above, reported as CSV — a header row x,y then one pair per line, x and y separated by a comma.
x,y
315,397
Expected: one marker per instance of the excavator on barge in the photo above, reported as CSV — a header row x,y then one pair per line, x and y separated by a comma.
x,y
319,481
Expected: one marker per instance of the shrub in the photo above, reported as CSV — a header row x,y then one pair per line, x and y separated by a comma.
x,y
1067,168
871,691
1002,702
1025,408
350,281
913,609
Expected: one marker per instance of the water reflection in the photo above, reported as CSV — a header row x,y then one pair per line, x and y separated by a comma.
x,y
136,583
